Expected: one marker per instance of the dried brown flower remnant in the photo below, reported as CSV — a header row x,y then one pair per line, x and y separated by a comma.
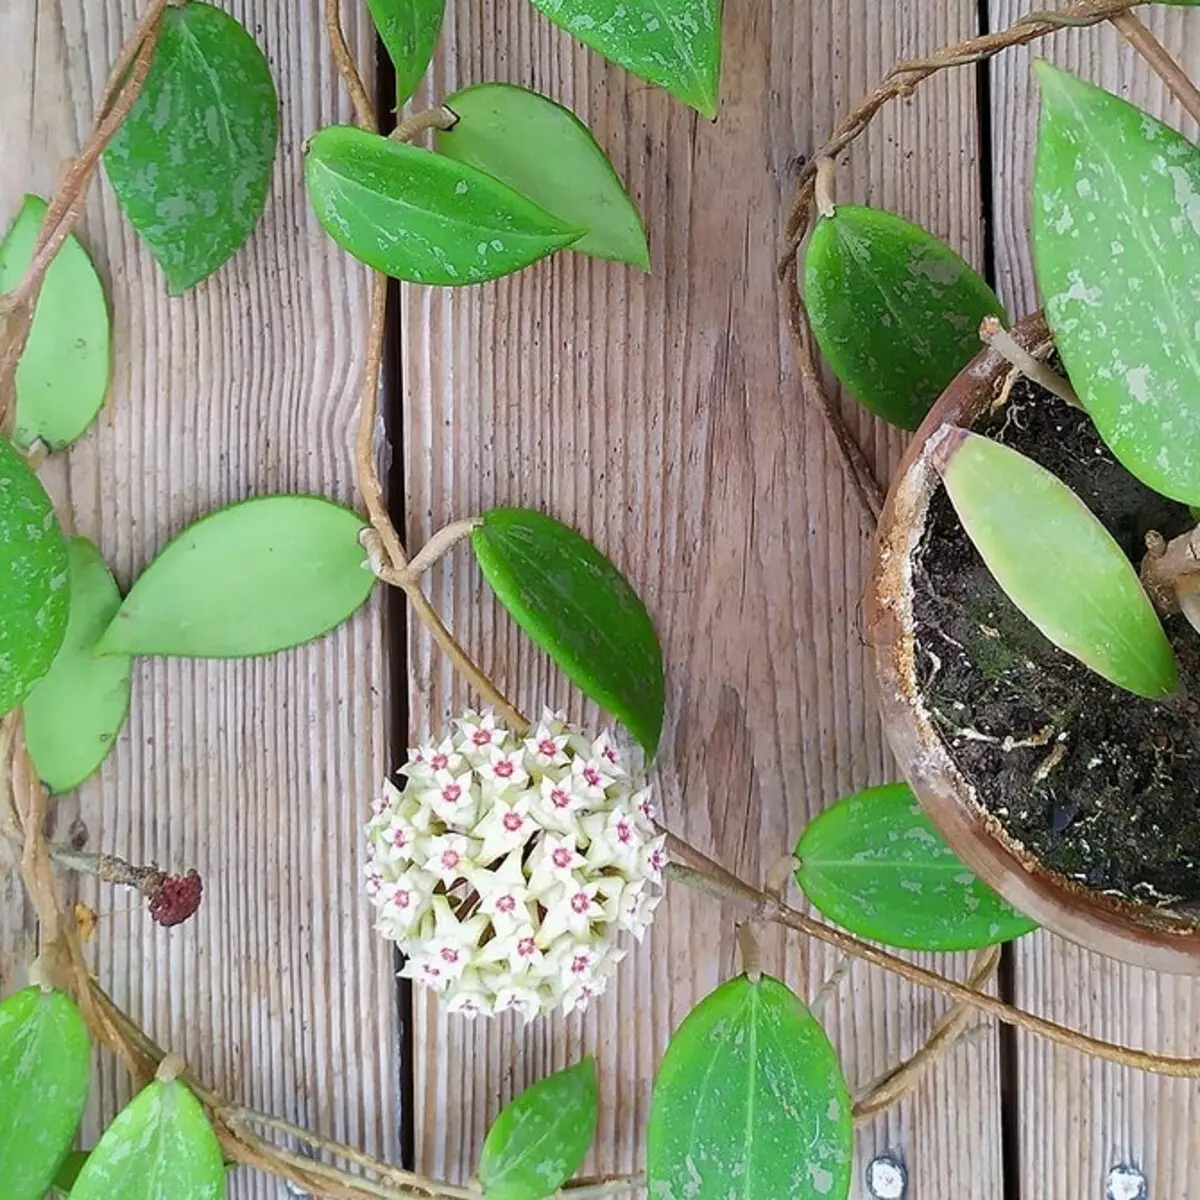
x,y
176,898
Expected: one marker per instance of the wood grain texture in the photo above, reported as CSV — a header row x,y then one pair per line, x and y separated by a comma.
x,y
258,774
1078,1117
661,416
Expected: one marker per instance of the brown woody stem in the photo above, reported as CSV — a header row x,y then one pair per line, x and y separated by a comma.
x,y
1178,82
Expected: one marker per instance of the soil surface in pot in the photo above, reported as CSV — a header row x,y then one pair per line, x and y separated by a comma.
x,y
1100,785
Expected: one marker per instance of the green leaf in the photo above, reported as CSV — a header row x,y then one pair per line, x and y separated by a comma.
x,y
581,610
64,372
257,577
539,1140
674,43
1116,242
34,596
409,31
45,1069
160,1145
546,153
750,1102
421,217
875,864
191,165
1024,521
73,716
895,312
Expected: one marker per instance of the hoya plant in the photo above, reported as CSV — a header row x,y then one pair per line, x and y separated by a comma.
x,y
512,861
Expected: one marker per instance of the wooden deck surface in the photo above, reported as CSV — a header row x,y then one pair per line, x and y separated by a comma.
x,y
662,416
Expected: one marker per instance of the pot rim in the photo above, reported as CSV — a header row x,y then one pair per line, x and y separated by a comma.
x,y
1134,933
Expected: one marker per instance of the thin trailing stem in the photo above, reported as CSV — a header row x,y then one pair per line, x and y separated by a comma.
x,y
63,213
899,82
993,334
1179,83
440,117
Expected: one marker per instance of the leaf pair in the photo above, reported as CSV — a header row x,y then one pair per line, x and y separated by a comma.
x,y
674,43
516,178
750,1101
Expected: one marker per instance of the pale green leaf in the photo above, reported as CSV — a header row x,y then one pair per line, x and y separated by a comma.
x,y
64,372
73,716
34,595
191,164
581,610
674,43
875,864
1116,242
539,1140
257,577
160,1147
409,32
750,1103
895,312
421,217
45,1069
545,152
1056,562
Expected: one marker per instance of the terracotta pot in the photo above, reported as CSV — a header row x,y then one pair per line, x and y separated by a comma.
x,y
1135,933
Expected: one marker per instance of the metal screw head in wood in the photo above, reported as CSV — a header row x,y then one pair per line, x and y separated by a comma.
x,y
1126,1183
886,1178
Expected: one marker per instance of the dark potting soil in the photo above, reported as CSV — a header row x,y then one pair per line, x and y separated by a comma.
x,y
1100,785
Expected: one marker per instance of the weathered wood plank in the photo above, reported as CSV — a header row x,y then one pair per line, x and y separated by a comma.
x,y
1079,1117
258,774
662,417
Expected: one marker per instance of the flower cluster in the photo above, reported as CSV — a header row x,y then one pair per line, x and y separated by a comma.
x,y
508,866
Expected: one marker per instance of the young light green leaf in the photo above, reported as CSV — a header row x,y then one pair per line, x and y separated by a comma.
x,y
419,216
674,43
1022,519
257,577
539,1140
875,864
45,1069
1116,247
409,32
581,610
64,372
750,1102
73,716
34,596
191,164
160,1145
546,153
895,312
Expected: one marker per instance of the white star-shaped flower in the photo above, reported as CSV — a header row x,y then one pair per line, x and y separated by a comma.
x,y
558,804
571,910
451,857
478,730
524,1000
554,861
452,799
504,770
546,747
578,996
591,779
604,750
615,839
507,827
503,894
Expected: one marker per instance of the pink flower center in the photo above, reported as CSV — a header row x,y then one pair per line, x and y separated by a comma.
x,y
581,902
402,899
450,859
624,832
547,748
592,776
647,810
451,792
400,839
563,857
610,754
432,971
482,737
560,799
526,946
450,956
504,769
513,821
506,904
439,762
580,963
658,859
